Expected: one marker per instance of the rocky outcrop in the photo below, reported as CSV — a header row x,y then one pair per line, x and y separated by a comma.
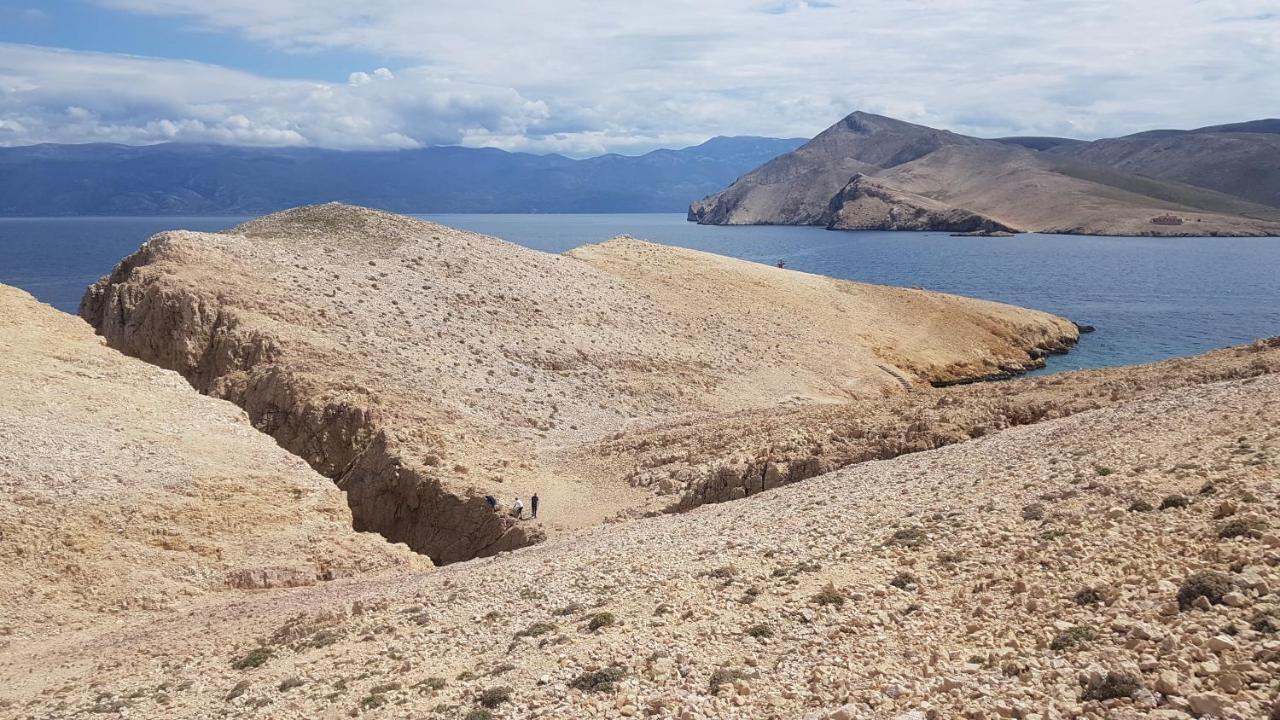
x,y
208,341
870,172
864,204
424,368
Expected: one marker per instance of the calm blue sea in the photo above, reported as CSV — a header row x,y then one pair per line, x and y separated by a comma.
x,y
1149,298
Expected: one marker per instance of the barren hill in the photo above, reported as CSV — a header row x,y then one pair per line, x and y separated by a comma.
x,y
423,367
1241,159
124,491
871,172
1120,563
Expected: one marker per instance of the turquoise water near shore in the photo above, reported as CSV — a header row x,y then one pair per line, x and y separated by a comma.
x,y
1150,298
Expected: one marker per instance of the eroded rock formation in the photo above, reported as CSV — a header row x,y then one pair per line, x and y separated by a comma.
x,y
423,368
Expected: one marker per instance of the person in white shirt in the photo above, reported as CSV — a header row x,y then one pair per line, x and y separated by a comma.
x,y
517,509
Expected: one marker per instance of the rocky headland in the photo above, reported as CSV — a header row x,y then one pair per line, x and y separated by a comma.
x,y
869,172
423,368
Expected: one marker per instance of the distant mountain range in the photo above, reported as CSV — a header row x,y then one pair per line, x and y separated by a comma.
x,y
873,172
188,179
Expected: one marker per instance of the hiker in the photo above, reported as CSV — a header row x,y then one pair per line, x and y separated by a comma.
x,y
493,502
517,509
533,505
782,263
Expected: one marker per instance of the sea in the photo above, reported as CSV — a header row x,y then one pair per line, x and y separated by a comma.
x,y
1148,298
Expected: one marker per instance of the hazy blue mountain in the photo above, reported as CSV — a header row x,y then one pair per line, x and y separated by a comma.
x,y
190,179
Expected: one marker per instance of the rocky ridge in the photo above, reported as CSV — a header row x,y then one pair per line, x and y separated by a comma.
x,y
423,368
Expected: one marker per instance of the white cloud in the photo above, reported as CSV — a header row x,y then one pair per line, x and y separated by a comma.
x,y
61,96
584,76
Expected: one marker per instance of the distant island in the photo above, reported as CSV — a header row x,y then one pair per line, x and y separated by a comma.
x,y
194,179
869,172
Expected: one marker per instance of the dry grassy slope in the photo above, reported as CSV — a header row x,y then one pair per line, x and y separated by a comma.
x,y
423,367
943,584
123,490
1014,186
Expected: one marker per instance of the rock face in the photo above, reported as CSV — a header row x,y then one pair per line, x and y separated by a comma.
x,y
424,368
122,489
939,180
1029,573
864,204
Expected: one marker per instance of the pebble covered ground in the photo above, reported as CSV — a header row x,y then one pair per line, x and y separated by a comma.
x,y
1122,562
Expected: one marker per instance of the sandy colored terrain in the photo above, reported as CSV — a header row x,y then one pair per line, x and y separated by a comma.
x,y
919,178
423,367
1036,572
124,492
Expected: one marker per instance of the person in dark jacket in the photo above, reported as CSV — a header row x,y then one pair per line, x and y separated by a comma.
x,y
533,504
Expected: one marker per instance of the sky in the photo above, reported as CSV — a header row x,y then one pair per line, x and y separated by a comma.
x,y
584,77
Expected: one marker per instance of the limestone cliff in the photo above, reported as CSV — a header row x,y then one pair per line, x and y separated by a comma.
x,y
122,489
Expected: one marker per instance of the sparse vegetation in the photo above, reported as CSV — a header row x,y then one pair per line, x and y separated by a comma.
x,y
431,684
1173,501
252,659
1033,512
290,683
723,676
479,714
1111,686
1140,505
829,596
570,609
1209,584
604,680
495,696
1240,527
1265,621
601,620
904,581
1088,596
907,537
1072,637
536,629
760,631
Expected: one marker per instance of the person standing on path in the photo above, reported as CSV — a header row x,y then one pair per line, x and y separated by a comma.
x,y
533,505
517,508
